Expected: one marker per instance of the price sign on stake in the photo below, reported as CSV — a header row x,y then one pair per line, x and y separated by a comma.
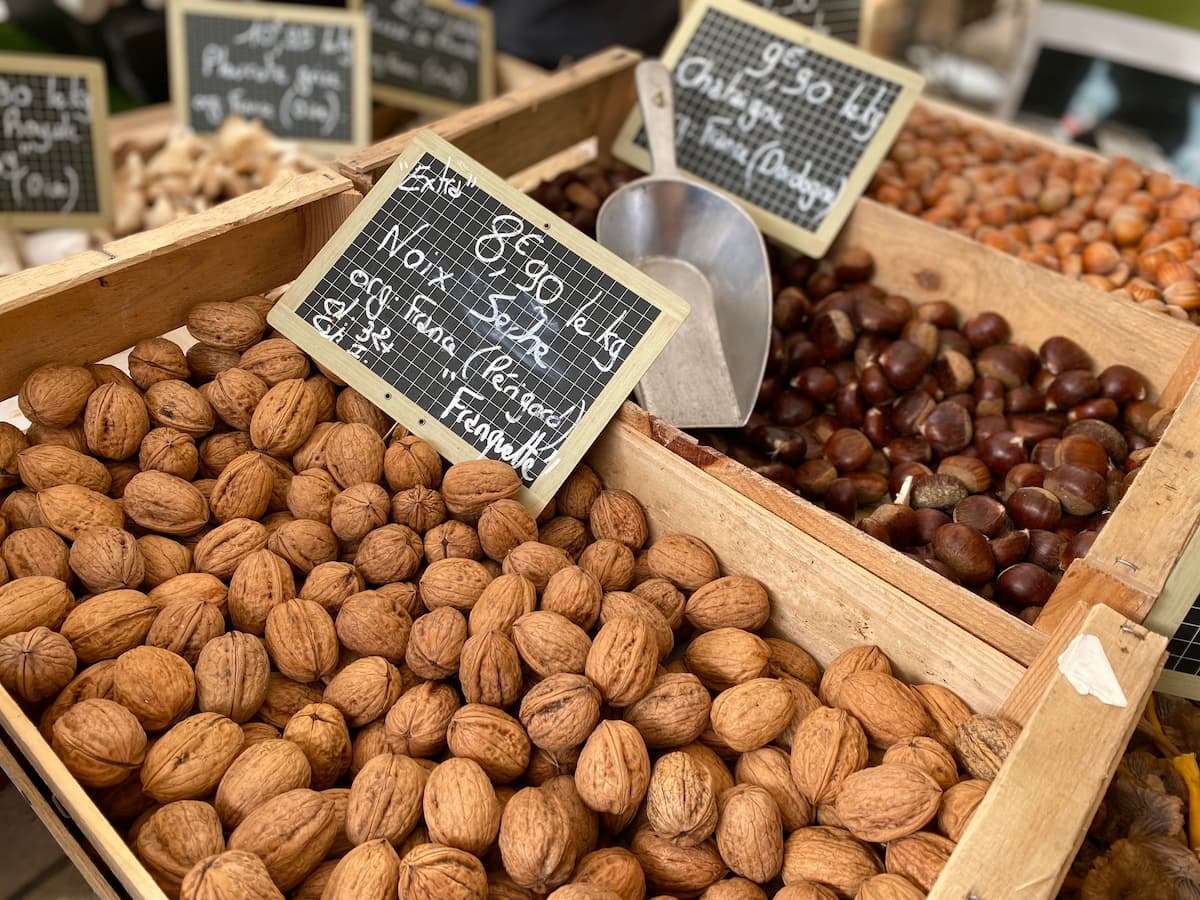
x,y
789,122
302,71
431,55
841,19
478,319
55,165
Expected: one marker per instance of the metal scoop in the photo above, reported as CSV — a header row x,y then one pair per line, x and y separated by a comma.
x,y
705,248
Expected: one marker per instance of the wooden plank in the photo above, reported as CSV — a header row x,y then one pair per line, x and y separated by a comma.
x,y
523,127
1025,833
145,129
924,263
1182,379
83,811
821,600
88,307
31,791
986,621
1019,705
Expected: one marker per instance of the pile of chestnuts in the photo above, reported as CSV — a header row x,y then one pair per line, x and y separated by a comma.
x,y
1109,223
990,462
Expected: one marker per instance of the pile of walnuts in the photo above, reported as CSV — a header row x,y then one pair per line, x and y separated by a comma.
x,y
286,650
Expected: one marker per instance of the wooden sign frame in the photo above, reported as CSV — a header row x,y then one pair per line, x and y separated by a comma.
x,y
418,102
92,72
360,71
812,243
673,309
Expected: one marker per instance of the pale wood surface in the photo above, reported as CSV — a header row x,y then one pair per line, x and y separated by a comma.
x,y
987,621
820,600
100,302
1025,833
1019,705
31,792
924,263
1183,378
523,127
103,837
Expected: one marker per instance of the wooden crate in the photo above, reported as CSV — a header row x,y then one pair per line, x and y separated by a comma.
x,y
541,130
88,308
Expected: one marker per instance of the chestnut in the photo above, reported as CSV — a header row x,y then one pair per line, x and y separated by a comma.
x,y
879,463
965,550
848,406
791,408
1080,491
948,428
903,470
801,352
848,449
985,330
1046,549
1077,547
929,520
1022,475
950,341
791,309
768,391
870,487
970,470
1081,450
776,353
986,426
923,335
1042,454
899,521
844,371
814,477
954,372
1138,415
903,364
989,397
816,383
984,514
1034,427
910,412
853,264
1058,354
1070,388
820,285
1034,507
1024,584
823,427
1103,433
875,315
842,498
1024,398
908,449
1159,422
1097,408
965,400
876,529
1002,451
938,312
877,426
876,389
834,335
780,444
1010,548
1122,384
780,473
937,491
1004,362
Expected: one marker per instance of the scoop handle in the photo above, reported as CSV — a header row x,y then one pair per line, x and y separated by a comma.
x,y
656,98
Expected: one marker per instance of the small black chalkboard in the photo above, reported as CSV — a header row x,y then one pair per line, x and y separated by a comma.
x,y
430,55
787,121
841,19
301,70
55,165
478,319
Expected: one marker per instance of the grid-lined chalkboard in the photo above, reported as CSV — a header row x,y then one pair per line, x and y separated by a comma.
x,y
430,49
276,64
47,152
499,331
796,156
1183,653
838,18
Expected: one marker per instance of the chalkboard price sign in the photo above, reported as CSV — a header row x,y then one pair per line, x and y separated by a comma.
x,y
841,19
478,319
55,165
302,71
789,122
430,55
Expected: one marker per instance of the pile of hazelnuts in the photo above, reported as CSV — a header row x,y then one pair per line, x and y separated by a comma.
x,y
990,462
